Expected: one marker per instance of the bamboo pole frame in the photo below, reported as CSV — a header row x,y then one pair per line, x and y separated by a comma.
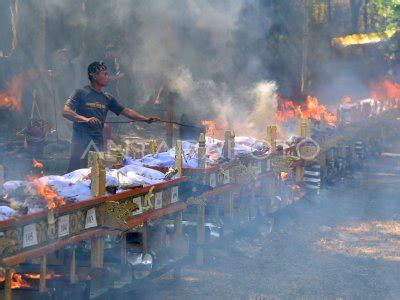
x,y
43,272
271,137
73,278
202,151
201,209
7,284
98,174
178,157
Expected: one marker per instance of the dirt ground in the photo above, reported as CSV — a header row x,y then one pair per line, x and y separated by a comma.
x,y
343,245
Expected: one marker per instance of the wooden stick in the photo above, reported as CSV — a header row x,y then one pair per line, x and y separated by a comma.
x,y
145,238
97,252
302,127
123,248
178,157
153,146
1,176
322,124
170,118
200,234
7,284
230,207
229,145
43,272
299,173
178,223
202,151
98,176
72,268
271,137
304,131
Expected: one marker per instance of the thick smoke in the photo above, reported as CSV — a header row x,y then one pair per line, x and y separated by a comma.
x,y
205,51
209,52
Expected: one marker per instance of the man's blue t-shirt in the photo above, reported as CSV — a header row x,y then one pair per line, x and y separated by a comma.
x,y
89,103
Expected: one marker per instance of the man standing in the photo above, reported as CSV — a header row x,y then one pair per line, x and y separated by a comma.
x,y
87,108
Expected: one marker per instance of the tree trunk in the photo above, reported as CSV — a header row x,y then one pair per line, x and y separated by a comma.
x,y
304,56
355,6
329,11
366,19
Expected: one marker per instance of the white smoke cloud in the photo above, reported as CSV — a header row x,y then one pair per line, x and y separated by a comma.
x,y
209,52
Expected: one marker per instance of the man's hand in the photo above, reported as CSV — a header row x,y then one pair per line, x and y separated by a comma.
x,y
152,119
93,121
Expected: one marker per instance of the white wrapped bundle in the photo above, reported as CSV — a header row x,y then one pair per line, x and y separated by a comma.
x,y
163,159
142,171
80,191
12,185
6,211
77,174
55,181
133,179
245,145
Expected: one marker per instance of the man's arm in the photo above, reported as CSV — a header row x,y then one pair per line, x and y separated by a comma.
x,y
71,115
133,115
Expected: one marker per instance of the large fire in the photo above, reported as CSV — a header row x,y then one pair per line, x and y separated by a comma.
x,y
17,282
12,98
43,190
288,110
36,164
48,194
387,91
214,129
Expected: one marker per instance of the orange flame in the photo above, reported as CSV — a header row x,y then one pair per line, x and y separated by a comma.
x,y
37,276
214,129
288,110
37,164
12,98
49,195
16,281
388,92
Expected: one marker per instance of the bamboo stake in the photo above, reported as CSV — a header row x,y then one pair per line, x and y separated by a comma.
x,y
123,248
230,207
1,175
271,137
98,176
202,151
72,268
178,157
42,280
178,223
322,124
97,252
153,146
170,118
302,132
145,238
200,234
7,284
229,145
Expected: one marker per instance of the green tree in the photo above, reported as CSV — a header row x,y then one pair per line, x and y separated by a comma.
x,y
387,13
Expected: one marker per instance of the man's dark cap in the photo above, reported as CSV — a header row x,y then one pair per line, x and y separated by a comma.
x,y
95,67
